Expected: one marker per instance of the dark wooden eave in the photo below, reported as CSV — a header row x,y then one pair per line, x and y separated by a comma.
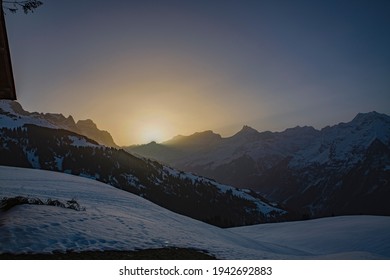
x,y
7,84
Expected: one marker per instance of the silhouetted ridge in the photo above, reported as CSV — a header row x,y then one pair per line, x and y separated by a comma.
x,y
198,138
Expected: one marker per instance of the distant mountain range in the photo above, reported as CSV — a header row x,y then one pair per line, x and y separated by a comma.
x,y
53,142
342,169
17,116
338,170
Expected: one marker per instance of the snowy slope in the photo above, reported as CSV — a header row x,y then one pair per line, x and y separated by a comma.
x,y
122,221
327,236
113,219
261,206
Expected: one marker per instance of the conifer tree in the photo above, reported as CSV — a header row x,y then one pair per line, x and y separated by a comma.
x,y
27,6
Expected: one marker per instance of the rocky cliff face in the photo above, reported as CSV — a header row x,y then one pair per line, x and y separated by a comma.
x,y
14,114
89,129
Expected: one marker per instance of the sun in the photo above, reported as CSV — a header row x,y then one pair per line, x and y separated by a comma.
x,y
151,133
152,126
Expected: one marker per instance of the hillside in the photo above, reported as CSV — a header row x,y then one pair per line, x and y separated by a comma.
x,y
118,220
338,170
28,143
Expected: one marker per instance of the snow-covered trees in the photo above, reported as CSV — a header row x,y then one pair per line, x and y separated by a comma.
x,y
26,6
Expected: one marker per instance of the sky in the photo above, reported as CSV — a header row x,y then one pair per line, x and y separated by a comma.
x,y
150,70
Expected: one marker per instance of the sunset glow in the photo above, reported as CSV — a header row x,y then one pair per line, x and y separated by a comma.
x,y
147,71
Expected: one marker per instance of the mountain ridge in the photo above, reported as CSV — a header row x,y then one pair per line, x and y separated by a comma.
x,y
338,170
32,141
296,166
248,130
12,111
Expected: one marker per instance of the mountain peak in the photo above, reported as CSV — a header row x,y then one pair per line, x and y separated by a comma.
x,y
247,133
12,106
89,128
247,129
88,123
370,116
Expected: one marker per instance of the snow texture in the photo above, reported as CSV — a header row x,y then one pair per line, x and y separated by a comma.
x,y
118,220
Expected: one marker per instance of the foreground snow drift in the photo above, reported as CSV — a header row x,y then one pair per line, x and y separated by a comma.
x,y
337,237
118,220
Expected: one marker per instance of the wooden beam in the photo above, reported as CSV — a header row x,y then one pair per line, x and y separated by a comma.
x,y
7,84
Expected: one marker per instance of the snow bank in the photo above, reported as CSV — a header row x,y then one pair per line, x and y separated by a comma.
x,y
118,220
338,237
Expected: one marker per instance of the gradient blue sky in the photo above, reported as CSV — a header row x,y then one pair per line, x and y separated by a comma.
x,y
149,70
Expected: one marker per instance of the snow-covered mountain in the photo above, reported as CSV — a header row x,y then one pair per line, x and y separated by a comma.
x,y
30,140
342,169
118,220
12,114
